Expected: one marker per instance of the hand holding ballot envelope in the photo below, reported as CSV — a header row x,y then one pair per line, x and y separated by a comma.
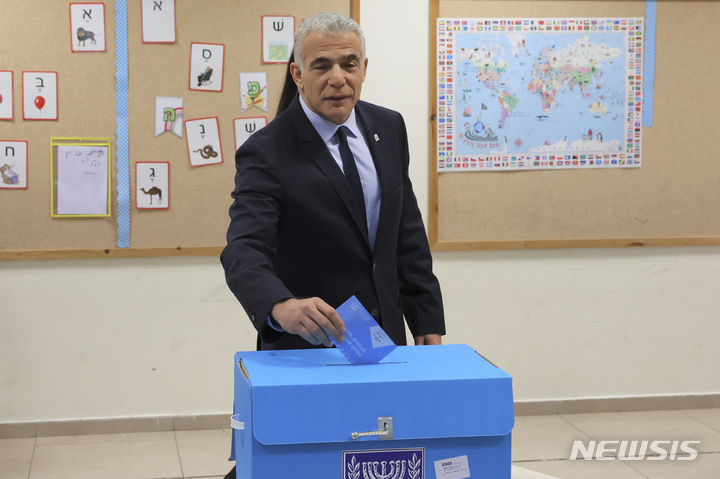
x,y
311,318
319,323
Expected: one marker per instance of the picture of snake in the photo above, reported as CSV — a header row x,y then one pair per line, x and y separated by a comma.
x,y
207,152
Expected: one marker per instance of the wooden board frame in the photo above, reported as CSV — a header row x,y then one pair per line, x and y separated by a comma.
x,y
439,240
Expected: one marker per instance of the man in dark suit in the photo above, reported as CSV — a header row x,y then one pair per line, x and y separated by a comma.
x,y
321,214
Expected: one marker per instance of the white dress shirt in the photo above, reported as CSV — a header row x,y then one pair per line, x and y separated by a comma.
x,y
363,159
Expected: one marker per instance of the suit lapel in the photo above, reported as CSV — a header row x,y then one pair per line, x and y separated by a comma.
x,y
372,138
313,146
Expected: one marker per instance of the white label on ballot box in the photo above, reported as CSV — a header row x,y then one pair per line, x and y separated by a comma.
x,y
365,341
453,468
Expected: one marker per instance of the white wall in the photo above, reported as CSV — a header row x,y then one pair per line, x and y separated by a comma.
x,y
147,337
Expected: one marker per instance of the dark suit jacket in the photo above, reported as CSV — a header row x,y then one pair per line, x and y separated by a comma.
x,y
295,229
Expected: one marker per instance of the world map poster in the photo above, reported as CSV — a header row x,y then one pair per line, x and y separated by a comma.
x,y
527,94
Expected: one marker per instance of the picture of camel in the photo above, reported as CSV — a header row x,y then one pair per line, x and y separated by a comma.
x,y
154,178
153,191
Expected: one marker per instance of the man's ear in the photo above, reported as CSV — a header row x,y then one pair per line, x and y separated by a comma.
x,y
296,74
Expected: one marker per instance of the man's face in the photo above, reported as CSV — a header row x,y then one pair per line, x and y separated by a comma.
x,y
332,76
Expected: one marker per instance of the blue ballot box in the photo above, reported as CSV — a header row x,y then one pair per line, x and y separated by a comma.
x,y
435,412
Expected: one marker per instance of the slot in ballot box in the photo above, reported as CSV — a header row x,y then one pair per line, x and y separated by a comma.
x,y
435,412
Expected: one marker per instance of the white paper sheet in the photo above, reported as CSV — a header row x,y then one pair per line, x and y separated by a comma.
x,y
82,180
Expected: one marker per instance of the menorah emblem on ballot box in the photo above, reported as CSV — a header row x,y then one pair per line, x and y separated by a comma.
x,y
385,464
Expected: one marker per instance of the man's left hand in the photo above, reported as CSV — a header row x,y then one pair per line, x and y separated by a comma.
x,y
428,339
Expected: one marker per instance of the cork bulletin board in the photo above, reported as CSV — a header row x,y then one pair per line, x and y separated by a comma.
x,y
197,217
670,200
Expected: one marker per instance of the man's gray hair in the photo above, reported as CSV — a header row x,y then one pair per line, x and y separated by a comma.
x,y
328,23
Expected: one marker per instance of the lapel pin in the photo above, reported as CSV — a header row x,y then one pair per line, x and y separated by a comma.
x,y
377,138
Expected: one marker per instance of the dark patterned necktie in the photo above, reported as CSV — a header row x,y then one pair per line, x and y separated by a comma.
x,y
350,169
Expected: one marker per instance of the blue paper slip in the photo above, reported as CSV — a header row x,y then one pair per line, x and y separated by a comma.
x,y
365,341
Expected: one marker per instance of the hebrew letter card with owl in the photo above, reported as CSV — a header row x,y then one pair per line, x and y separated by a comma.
x,y
203,138
152,185
278,38
87,27
206,66
253,91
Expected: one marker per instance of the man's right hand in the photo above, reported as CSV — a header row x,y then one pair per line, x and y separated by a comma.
x,y
311,318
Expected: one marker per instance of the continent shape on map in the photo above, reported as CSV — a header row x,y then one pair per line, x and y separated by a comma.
x,y
575,66
540,92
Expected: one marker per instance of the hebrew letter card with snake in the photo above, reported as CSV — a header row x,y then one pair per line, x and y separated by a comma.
x,y
203,138
87,27
152,185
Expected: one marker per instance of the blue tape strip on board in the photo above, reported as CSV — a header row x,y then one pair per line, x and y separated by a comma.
x,y
649,82
121,98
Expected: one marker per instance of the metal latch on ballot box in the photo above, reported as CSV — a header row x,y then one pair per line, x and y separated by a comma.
x,y
384,432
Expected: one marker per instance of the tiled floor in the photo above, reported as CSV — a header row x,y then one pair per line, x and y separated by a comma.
x,y
541,450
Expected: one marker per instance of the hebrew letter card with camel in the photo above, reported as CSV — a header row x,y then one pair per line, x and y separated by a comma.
x,y
152,185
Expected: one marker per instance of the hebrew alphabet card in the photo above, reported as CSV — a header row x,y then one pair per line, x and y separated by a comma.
x,y
278,38
40,98
87,27
6,95
13,165
244,127
152,185
253,91
168,115
206,66
158,21
203,138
